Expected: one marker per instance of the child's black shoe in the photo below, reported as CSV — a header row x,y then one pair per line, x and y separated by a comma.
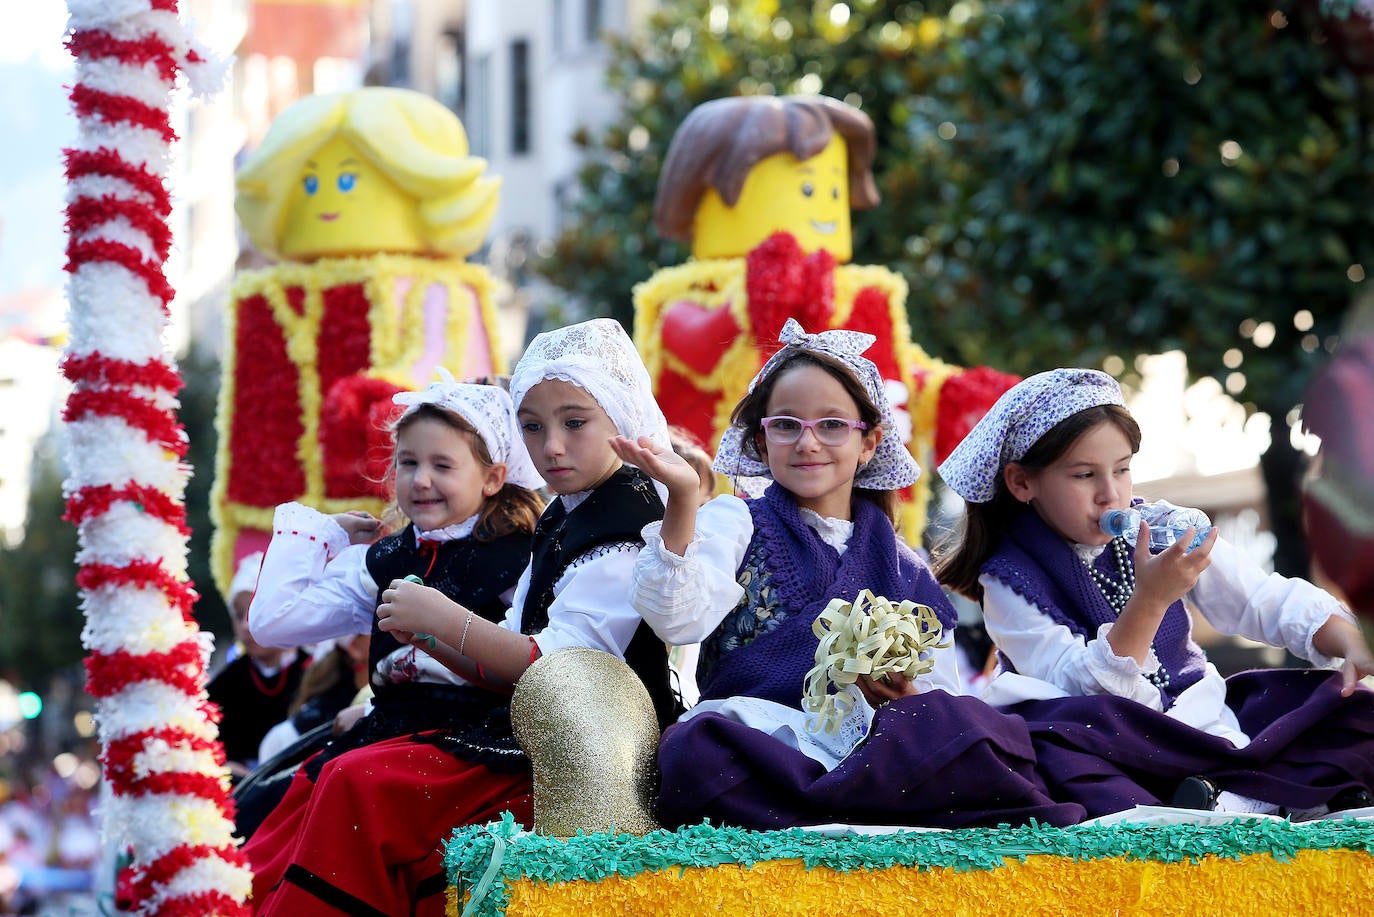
x,y
1195,793
1355,797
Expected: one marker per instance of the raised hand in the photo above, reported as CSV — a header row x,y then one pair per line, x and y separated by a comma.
x,y
660,463
1166,577
1160,580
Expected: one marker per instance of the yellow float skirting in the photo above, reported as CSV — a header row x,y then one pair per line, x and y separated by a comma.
x,y
1313,883
1239,869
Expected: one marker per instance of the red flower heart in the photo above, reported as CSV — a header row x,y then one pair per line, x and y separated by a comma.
x,y
698,336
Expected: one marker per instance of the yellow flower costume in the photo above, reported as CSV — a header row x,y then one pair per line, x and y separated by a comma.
x,y
371,198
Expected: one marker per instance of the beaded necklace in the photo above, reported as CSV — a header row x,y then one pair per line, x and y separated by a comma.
x,y
1118,593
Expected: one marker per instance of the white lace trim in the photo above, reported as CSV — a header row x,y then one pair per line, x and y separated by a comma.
x,y
449,532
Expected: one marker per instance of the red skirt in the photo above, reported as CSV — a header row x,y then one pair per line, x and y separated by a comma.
x,y
366,837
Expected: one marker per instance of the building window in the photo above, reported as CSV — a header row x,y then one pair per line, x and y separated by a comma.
x,y
595,20
477,114
448,72
520,96
402,37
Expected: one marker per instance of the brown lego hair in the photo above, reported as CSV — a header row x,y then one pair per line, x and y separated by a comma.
x,y
722,140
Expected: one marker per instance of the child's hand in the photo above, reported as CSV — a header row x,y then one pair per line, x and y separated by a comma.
x,y
1162,579
408,608
660,463
1339,638
878,691
361,527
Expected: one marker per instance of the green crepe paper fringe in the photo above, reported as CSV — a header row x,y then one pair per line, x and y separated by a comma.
x,y
503,852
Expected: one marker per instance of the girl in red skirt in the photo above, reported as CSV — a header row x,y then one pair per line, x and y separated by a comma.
x,y
465,482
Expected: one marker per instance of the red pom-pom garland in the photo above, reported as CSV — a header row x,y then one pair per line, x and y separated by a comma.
x,y
161,756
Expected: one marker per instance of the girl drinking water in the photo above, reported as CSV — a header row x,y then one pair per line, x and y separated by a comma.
x,y
360,824
1096,645
748,579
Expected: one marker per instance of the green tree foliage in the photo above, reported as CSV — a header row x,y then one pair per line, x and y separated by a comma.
x,y
1127,177
40,616
1064,181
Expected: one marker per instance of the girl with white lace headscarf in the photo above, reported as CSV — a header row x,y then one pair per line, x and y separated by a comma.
x,y
574,388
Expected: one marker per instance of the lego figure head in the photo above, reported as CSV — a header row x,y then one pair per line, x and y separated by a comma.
x,y
741,169
368,171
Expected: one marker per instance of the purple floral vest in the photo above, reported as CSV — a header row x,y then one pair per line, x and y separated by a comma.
x,y
765,646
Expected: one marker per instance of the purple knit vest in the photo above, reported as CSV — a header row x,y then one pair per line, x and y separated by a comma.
x,y
770,658
1042,568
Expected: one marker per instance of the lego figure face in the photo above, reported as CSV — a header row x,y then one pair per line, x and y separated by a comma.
x,y
343,205
808,199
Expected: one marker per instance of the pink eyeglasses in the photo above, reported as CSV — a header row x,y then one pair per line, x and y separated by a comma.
x,y
782,430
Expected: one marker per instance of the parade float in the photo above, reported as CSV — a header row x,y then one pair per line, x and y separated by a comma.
x,y
762,188
371,203
316,344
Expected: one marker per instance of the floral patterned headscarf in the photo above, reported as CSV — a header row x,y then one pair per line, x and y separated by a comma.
x,y
1020,417
892,466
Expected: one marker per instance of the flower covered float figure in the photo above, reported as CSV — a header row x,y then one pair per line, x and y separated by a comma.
x,y
370,201
762,187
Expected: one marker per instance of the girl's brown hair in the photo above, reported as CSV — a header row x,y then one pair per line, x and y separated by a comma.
x,y
722,140
958,564
753,407
510,510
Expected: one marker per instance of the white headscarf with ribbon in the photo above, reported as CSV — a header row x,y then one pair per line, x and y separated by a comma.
x,y
490,411
1023,414
891,467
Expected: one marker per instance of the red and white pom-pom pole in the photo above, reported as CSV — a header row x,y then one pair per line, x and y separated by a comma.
x,y
168,800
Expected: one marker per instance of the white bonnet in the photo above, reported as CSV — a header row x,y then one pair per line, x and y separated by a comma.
x,y
245,576
490,411
598,357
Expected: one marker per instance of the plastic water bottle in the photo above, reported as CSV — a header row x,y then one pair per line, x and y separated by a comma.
x,y
1167,522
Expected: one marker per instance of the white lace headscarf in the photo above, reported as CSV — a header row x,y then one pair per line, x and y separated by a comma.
x,y
598,357
1023,414
490,411
892,466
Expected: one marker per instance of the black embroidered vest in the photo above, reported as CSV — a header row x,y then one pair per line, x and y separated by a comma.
x,y
473,573
612,514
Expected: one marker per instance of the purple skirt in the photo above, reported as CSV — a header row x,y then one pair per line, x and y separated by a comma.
x,y
1308,743
933,760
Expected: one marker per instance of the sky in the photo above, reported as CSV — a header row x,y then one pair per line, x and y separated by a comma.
x,y
36,120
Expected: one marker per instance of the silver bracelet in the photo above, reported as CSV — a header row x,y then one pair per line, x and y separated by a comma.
x,y
463,640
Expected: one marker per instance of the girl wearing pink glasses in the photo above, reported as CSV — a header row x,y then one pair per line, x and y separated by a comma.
x,y
747,579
